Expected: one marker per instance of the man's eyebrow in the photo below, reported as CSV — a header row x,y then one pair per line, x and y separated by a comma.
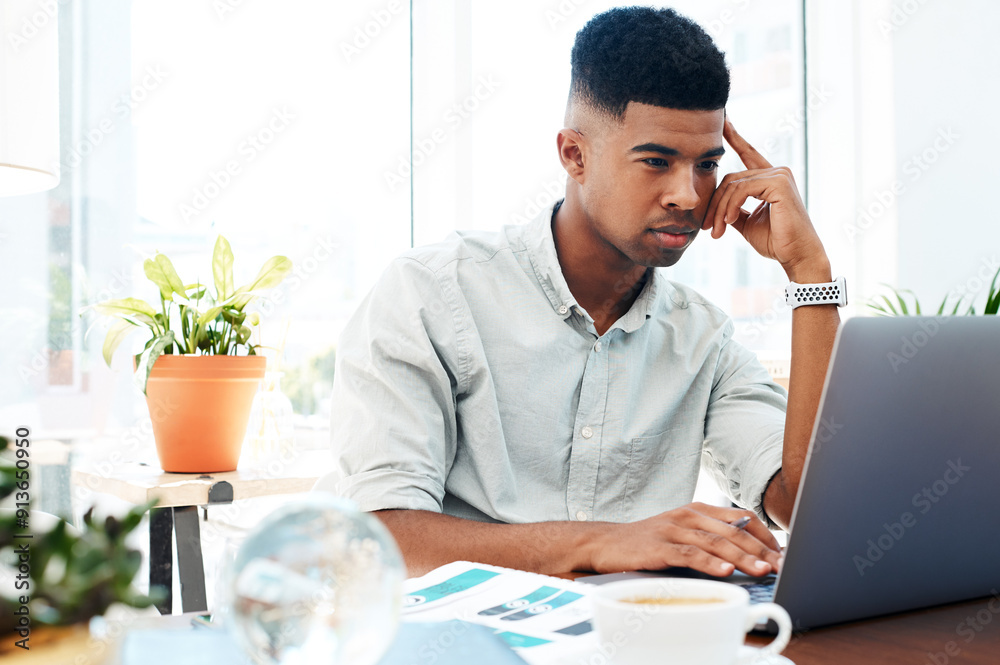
x,y
672,152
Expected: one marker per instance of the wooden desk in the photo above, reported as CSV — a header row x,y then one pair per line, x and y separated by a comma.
x,y
922,637
175,516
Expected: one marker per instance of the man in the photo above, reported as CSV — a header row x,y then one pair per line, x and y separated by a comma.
x,y
543,397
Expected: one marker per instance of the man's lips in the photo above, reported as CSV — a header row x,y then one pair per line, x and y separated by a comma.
x,y
675,230
673,237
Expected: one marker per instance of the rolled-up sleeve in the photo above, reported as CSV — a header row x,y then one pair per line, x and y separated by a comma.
x,y
744,427
393,418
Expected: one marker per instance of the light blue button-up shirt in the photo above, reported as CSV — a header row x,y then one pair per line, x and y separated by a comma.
x,y
470,382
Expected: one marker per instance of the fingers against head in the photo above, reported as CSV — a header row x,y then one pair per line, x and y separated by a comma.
x,y
748,154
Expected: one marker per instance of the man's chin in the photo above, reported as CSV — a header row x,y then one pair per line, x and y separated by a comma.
x,y
666,258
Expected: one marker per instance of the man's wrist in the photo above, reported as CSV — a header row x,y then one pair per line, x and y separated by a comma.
x,y
588,544
810,271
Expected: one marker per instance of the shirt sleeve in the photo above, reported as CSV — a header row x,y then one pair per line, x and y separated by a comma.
x,y
393,423
744,427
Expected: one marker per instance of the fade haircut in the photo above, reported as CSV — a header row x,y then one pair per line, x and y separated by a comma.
x,y
646,55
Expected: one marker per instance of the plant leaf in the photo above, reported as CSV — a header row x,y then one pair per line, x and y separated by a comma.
x,y
271,275
222,268
233,316
992,305
993,297
160,271
889,305
209,316
902,303
118,332
127,307
149,357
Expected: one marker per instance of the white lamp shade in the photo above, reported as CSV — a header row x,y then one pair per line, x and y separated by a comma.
x,y
29,96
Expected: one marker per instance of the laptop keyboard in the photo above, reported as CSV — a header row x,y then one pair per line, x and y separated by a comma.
x,y
760,592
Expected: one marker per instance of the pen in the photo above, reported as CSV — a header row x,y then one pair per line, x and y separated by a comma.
x,y
741,523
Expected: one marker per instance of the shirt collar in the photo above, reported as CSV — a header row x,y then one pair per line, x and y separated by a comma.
x,y
541,248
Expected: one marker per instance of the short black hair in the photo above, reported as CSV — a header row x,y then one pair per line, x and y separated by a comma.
x,y
647,55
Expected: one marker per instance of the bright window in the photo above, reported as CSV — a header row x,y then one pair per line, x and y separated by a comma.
x,y
490,85
267,122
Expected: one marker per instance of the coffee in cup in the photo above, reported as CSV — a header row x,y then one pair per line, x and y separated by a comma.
x,y
680,621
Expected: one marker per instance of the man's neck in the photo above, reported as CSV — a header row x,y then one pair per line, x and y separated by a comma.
x,y
603,282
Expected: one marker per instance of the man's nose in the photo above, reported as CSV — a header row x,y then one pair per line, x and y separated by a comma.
x,y
680,190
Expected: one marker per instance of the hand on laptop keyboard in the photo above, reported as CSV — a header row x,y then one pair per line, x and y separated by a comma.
x,y
697,536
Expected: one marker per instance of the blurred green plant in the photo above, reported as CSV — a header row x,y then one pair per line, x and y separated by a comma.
x,y
904,302
73,576
208,323
300,383
60,308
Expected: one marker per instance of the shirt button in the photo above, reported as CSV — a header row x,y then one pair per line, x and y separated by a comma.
x,y
563,309
581,516
587,432
597,347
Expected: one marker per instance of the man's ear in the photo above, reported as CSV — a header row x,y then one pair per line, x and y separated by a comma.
x,y
571,152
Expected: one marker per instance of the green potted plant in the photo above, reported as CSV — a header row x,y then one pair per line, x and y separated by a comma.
x,y
60,578
904,302
199,369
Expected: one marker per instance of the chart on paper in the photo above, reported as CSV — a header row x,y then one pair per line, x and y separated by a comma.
x,y
543,618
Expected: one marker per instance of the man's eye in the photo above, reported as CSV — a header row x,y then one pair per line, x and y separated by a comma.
x,y
710,165
656,162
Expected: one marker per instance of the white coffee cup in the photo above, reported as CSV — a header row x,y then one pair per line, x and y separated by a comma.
x,y
702,633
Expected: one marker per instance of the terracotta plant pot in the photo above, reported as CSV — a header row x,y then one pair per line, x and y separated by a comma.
x,y
200,406
54,645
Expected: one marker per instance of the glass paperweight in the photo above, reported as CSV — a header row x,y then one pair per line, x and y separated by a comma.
x,y
271,429
317,581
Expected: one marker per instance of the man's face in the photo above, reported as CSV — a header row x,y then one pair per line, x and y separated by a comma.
x,y
648,181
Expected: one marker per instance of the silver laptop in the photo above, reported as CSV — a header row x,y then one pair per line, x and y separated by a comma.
x,y
898,506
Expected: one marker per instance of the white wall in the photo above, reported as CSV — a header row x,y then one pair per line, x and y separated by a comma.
x,y
946,58
900,151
